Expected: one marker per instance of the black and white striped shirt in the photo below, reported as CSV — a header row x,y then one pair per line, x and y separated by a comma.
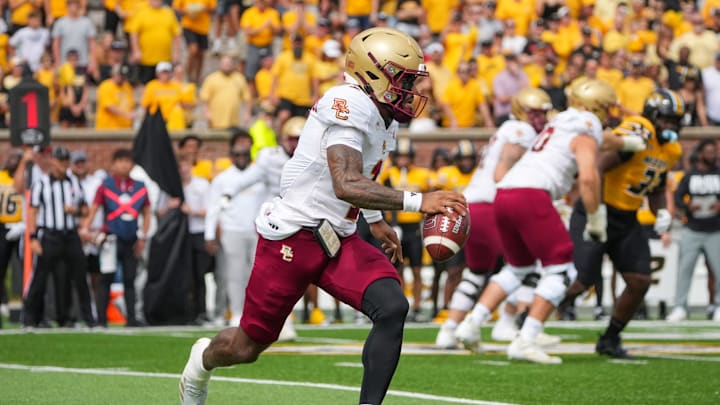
x,y
50,195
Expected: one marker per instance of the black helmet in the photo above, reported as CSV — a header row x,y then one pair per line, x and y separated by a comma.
x,y
667,104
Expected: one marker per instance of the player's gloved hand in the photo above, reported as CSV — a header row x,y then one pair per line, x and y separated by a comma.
x,y
596,226
398,231
224,202
15,231
633,143
663,220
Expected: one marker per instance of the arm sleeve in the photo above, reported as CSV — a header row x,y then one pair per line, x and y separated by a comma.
x,y
347,136
99,196
213,211
253,175
36,194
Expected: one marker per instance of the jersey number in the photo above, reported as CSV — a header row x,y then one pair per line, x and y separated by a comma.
x,y
9,203
650,181
354,212
542,139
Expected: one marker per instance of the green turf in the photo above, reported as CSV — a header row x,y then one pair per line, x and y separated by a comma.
x,y
581,379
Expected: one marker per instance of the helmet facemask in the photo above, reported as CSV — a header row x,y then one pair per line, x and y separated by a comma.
x,y
404,102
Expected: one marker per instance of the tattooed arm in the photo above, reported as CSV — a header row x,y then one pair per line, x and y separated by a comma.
x,y
351,185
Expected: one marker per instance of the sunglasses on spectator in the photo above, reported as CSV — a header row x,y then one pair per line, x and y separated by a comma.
x,y
243,153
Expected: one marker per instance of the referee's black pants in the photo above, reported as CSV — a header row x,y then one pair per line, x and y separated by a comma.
x,y
59,247
6,252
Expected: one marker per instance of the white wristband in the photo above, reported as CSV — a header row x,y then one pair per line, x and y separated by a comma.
x,y
412,201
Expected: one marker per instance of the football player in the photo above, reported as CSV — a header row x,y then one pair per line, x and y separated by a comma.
x,y
308,234
453,177
483,254
404,175
530,228
627,179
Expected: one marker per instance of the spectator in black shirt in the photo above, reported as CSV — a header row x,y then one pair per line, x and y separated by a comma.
x,y
698,196
677,71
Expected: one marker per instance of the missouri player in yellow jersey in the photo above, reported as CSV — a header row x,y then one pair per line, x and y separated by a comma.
x,y
10,219
627,179
454,177
404,175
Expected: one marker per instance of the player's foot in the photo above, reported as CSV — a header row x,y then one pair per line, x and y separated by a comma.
x,y
194,380
710,312
545,340
441,317
600,314
287,333
317,317
446,338
678,314
716,315
521,349
415,316
468,333
612,346
504,331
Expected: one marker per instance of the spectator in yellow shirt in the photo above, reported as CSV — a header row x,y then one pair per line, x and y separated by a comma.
x,y
154,37
489,63
363,11
462,100
20,11
522,11
223,94
115,101
260,23
606,71
440,12
439,73
195,23
292,91
634,89
458,43
167,95
264,76
298,20
702,42
327,71
316,39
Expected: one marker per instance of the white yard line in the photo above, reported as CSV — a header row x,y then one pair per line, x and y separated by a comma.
x,y
334,387
714,359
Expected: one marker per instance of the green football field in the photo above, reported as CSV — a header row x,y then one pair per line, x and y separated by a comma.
x,y
676,364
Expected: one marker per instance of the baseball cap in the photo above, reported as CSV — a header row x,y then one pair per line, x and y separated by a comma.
x,y
434,47
331,48
78,156
163,67
61,153
118,45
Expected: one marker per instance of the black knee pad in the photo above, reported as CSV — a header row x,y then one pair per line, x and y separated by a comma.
x,y
384,301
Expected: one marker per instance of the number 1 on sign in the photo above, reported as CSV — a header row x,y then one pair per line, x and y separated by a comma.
x,y
30,100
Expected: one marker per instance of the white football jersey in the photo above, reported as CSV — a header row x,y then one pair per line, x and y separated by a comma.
x,y
482,185
549,164
306,190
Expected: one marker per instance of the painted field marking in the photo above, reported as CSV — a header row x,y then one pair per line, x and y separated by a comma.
x,y
493,362
349,364
714,359
334,387
628,361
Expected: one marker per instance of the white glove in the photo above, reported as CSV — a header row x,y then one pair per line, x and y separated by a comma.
x,y
596,226
15,231
224,202
663,220
398,231
633,143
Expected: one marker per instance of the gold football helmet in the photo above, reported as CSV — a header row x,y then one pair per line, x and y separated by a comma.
x,y
386,63
293,126
595,96
531,105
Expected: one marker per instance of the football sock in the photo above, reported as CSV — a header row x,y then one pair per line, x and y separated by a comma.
x,y
614,328
450,324
531,329
385,304
196,371
479,314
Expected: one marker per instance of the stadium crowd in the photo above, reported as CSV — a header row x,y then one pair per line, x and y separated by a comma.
x,y
233,64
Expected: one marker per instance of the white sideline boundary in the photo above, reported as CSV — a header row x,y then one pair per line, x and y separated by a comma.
x,y
334,387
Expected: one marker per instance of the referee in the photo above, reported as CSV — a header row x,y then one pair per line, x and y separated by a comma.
x,y
56,202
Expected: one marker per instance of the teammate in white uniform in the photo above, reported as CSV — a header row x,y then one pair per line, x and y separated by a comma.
x,y
308,234
531,229
483,252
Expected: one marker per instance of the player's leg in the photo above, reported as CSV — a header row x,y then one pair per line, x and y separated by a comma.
x,y
712,258
691,244
412,250
631,256
362,277
455,268
239,249
281,272
510,213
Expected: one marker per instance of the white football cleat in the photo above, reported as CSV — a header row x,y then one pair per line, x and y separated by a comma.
x,y
545,340
193,387
287,333
468,334
521,349
716,315
678,314
446,338
504,331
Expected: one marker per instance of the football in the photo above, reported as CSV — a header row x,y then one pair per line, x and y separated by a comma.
x,y
443,237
